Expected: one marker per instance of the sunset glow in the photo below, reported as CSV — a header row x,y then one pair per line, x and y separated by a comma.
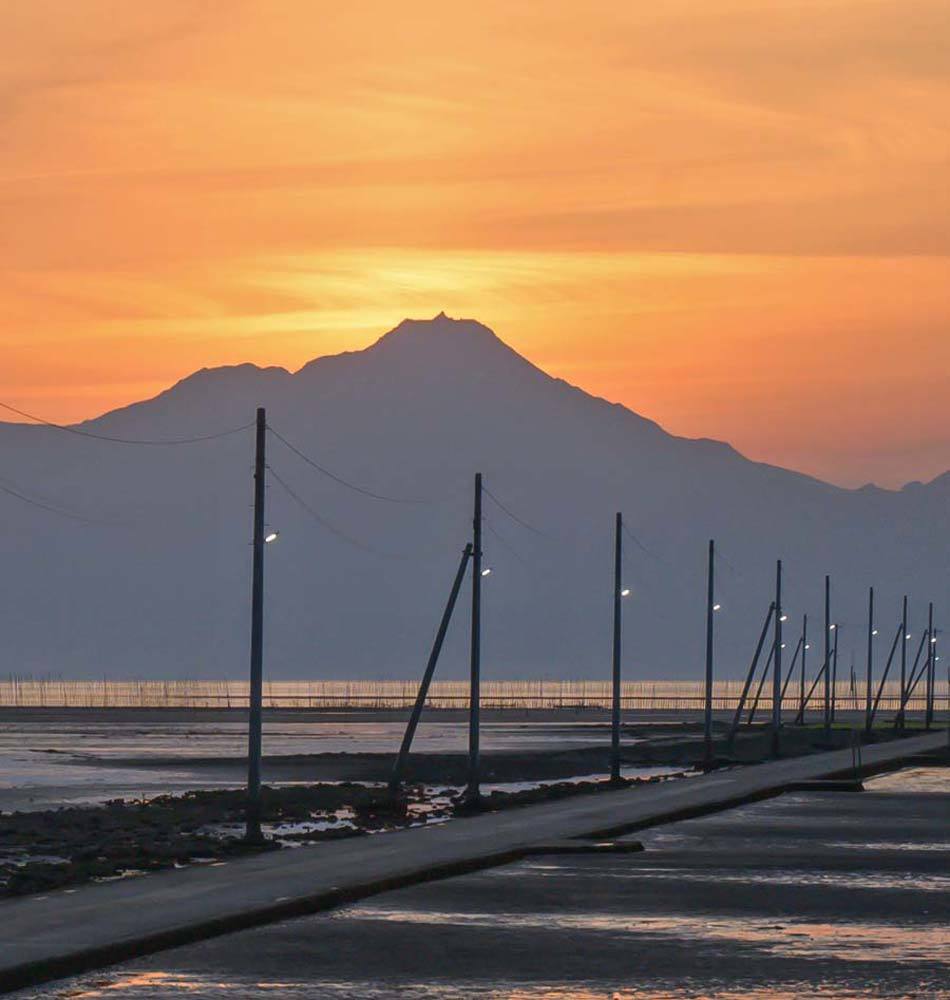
x,y
739,241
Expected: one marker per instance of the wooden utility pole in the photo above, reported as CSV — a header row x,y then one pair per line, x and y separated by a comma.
x,y
931,668
618,628
801,683
834,674
870,668
474,705
252,829
900,714
827,664
710,612
777,662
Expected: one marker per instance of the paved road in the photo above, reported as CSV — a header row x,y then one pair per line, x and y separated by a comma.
x,y
48,936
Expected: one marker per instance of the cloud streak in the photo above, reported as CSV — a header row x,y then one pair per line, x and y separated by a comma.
x,y
633,195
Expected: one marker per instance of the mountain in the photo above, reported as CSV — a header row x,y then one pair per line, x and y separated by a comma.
x,y
156,582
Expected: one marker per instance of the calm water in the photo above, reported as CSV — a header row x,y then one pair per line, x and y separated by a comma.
x,y
47,763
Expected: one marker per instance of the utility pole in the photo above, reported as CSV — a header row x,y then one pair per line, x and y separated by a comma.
x,y
710,611
870,670
834,674
900,713
474,707
618,626
252,828
777,662
931,669
801,685
827,666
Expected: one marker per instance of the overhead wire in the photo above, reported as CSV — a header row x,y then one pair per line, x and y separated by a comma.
x,y
329,526
50,508
512,514
636,541
157,442
339,479
505,543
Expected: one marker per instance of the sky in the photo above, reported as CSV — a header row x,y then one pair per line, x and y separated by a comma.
x,y
731,216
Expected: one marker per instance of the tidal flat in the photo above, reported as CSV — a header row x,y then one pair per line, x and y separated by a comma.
x,y
818,894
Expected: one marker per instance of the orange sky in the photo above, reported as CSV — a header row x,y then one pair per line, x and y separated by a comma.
x,y
731,215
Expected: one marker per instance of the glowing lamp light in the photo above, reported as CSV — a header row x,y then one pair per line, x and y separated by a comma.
x,y
831,628
625,592
783,645
717,607
271,536
873,631
907,636
807,645
933,640
486,571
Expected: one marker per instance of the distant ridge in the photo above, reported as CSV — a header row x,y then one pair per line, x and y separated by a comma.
x,y
162,589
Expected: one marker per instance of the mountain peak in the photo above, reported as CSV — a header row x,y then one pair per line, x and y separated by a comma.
x,y
446,342
440,327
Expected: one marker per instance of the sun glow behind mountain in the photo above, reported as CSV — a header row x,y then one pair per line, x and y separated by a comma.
x,y
729,216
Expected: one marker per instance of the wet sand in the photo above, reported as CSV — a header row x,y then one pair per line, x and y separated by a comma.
x,y
811,894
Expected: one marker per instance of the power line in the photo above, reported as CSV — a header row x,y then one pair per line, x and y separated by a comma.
x,y
721,558
117,440
636,541
512,515
61,512
504,541
339,479
323,522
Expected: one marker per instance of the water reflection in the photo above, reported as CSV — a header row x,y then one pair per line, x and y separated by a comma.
x,y
154,985
847,942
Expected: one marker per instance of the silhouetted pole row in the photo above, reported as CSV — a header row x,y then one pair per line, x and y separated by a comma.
x,y
473,553
474,708
252,831
618,626
400,765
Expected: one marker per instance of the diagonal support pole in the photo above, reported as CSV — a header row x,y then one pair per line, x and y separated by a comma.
x,y
737,718
399,767
762,680
887,667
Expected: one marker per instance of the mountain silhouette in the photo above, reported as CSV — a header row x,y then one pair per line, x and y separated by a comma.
x,y
154,581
